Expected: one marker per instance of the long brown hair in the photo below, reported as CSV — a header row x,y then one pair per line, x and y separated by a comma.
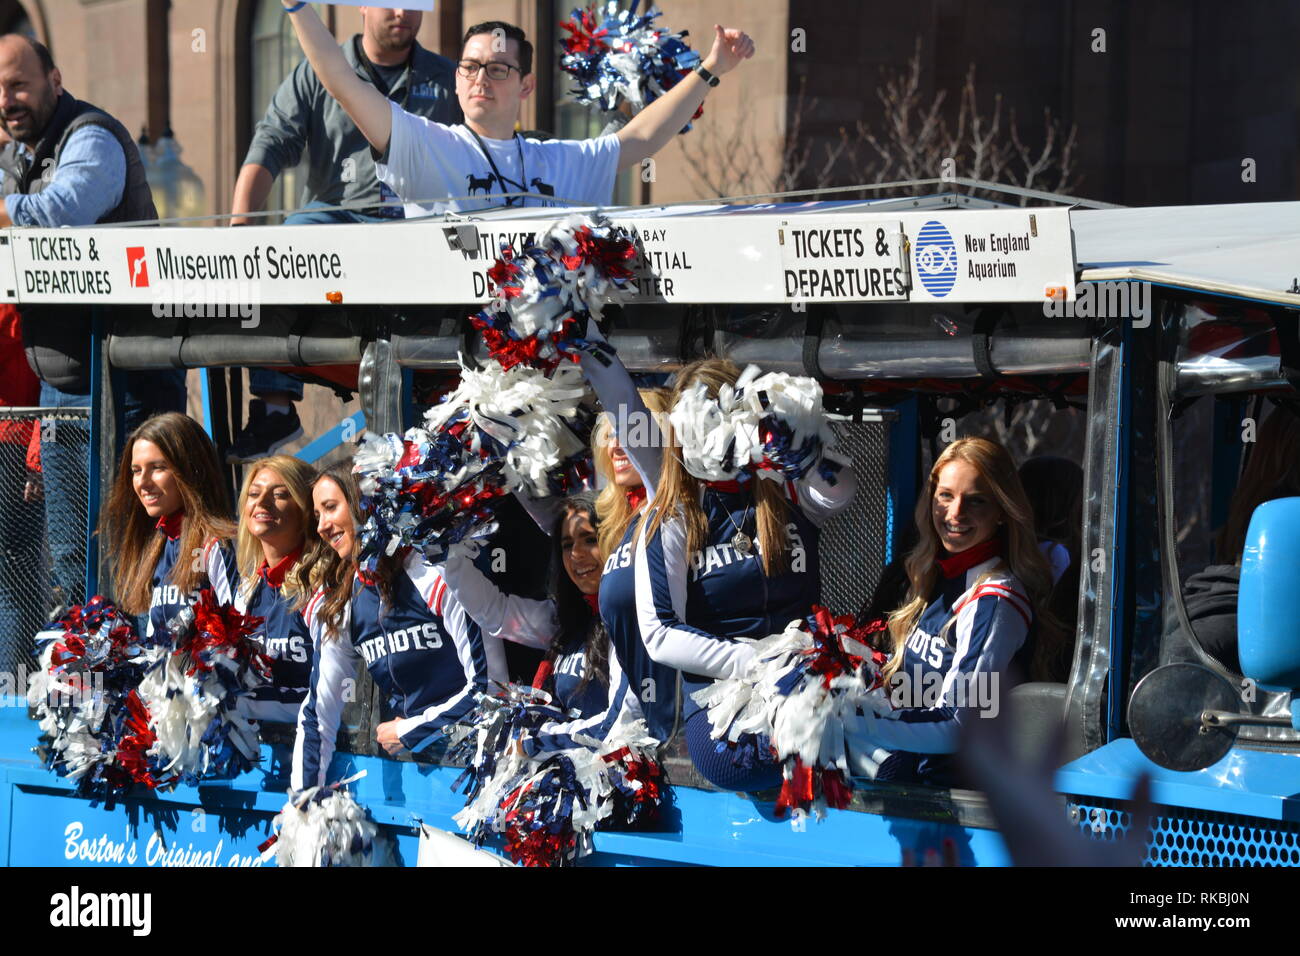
x,y
679,491
297,476
579,627
1022,555
130,532
324,568
613,512
1272,472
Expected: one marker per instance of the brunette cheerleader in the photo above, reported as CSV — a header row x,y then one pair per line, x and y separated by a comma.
x,y
429,635
166,522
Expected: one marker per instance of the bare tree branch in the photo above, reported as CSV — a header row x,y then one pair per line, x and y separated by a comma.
x,y
911,140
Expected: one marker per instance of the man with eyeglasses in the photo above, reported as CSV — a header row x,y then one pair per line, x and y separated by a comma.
x,y
436,168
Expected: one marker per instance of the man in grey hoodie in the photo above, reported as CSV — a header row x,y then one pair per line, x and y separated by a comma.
x,y
302,115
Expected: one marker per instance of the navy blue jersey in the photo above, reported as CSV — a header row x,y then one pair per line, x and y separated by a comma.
x,y
598,708
652,686
692,608
953,667
285,639
427,654
166,599
570,695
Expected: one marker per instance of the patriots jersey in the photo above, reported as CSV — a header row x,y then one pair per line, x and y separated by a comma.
x,y
284,638
568,671
166,599
429,653
691,608
649,687
952,668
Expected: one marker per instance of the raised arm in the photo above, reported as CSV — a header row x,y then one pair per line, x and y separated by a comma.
x,y
508,617
820,497
610,380
652,129
368,108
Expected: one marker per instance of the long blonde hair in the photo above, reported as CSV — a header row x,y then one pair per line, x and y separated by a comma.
x,y
679,491
297,476
613,513
1021,554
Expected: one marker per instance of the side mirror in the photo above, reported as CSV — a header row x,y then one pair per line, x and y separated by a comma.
x,y
1185,716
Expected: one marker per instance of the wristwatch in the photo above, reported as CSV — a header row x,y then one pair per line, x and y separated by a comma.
x,y
706,76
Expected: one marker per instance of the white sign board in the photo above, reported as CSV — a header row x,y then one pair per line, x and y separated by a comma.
x,y
962,256
842,259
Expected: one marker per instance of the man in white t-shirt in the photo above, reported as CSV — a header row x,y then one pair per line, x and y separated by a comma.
x,y
436,168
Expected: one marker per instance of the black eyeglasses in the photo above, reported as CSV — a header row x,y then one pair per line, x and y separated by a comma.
x,y
494,70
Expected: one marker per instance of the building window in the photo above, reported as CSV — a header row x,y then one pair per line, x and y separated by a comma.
x,y
274,53
13,19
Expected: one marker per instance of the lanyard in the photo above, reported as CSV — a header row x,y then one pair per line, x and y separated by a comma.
x,y
374,74
497,173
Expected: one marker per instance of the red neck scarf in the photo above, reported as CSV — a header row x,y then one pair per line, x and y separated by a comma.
x,y
963,561
274,576
593,602
170,525
726,487
635,497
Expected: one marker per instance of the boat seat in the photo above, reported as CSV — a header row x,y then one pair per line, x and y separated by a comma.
x,y
1036,710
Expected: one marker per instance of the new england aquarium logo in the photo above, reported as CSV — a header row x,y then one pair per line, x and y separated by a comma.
x,y
935,255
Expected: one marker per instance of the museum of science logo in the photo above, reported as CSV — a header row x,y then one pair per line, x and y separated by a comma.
x,y
935,255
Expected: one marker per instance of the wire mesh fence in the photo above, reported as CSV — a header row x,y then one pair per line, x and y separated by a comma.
x,y
44,482
853,542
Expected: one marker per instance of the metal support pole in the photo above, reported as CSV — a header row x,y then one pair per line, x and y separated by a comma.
x,y
380,385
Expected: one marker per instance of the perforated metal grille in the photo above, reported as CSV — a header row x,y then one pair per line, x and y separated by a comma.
x,y
853,542
42,564
1180,837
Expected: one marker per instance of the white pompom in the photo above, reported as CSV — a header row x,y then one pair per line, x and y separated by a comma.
x,y
327,827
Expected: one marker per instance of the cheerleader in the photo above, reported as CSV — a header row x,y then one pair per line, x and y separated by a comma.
x,y
274,522
429,634
719,561
625,449
583,671
978,586
166,522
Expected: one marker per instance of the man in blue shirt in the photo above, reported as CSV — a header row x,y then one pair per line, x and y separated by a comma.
x,y
70,164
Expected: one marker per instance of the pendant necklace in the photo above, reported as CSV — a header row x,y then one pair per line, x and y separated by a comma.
x,y
741,543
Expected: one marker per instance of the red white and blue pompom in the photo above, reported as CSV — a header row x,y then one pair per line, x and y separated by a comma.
x,y
192,693
544,295
618,56
545,807
800,689
91,661
500,431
